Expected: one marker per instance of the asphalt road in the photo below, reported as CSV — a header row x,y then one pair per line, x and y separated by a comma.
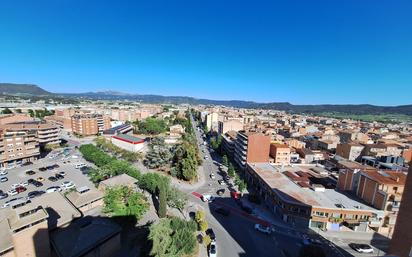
x,y
235,233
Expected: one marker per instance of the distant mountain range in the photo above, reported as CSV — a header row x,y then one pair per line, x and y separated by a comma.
x,y
22,89
357,109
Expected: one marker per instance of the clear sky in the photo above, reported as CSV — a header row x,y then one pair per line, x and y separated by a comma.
x,y
304,52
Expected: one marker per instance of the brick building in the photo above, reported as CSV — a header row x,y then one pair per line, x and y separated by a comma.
x,y
350,151
401,243
89,124
251,147
280,154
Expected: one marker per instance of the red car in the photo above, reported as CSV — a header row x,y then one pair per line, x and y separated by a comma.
x,y
235,194
20,189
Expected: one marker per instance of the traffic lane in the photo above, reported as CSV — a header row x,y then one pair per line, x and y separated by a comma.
x,y
250,242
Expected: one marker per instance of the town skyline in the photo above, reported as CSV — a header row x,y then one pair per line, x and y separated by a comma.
x,y
266,52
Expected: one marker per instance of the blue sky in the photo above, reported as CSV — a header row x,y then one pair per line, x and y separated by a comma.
x,y
304,52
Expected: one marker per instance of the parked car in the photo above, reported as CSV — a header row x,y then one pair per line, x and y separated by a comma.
x,y
212,176
16,201
34,194
67,185
42,169
221,182
62,173
3,172
263,229
4,179
207,198
12,192
27,163
31,181
211,234
223,211
56,166
59,176
20,189
361,248
24,183
53,189
40,179
37,184
15,185
212,249
52,179
30,172
3,195
220,191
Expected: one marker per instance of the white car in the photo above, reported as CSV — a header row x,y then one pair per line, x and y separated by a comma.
x,y
16,201
24,183
15,185
3,172
361,248
67,185
263,229
212,176
53,189
3,179
62,173
12,192
212,249
208,198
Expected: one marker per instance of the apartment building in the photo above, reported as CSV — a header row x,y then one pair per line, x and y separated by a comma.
x,y
280,154
295,143
350,151
212,121
89,124
21,142
228,143
350,136
14,118
401,243
306,199
229,125
383,190
251,147
25,225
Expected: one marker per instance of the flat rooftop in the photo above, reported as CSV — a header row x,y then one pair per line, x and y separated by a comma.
x,y
83,235
290,191
128,138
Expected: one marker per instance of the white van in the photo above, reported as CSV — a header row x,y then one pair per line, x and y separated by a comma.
x,y
79,165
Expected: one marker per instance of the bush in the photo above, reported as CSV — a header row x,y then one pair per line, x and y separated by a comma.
x,y
162,200
172,237
207,240
124,201
203,225
199,216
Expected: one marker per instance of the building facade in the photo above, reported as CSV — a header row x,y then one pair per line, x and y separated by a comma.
x,y
251,147
280,154
89,124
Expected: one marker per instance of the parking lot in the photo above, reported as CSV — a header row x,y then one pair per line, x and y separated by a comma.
x,y
18,175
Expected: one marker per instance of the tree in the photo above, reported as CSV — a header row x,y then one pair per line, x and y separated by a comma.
x,y
123,201
172,237
162,200
203,225
6,111
231,170
199,216
225,161
31,113
176,198
18,110
207,240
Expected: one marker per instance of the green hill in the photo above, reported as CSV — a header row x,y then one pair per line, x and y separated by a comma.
x,y
22,89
